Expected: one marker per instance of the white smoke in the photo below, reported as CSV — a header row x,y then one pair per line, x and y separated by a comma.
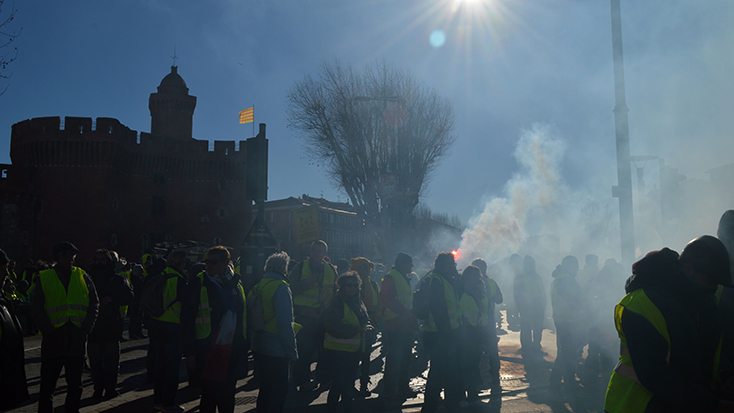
x,y
501,228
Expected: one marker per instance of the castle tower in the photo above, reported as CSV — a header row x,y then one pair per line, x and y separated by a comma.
x,y
172,108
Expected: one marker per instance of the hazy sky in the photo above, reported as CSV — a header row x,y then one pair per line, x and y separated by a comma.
x,y
505,65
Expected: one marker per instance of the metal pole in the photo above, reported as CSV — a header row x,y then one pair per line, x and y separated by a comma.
x,y
623,190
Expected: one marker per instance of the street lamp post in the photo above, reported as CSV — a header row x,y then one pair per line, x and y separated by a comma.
x,y
623,190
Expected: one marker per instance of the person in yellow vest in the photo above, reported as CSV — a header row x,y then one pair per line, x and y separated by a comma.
x,y
13,383
474,332
441,335
346,322
529,294
370,295
214,305
571,311
103,346
64,307
274,347
165,336
491,351
313,287
670,333
400,327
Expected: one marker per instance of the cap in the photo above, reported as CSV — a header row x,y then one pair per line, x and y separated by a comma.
x,y
708,254
359,261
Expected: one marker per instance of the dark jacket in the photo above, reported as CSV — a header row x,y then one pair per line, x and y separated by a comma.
x,y
67,340
334,314
13,385
683,383
109,324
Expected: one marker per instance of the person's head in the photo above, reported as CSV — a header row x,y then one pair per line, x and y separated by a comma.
x,y
403,263
445,264
349,282
278,263
592,260
102,261
64,254
363,267
472,278
705,261
30,264
342,265
23,286
481,264
317,253
529,264
516,262
217,260
11,265
177,260
570,265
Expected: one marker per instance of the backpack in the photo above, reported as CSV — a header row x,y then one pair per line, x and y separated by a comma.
x,y
255,316
422,298
151,301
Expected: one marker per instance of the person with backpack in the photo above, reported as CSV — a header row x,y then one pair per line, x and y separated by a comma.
x,y
370,295
165,330
400,326
313,287
214,306
273,337
441,333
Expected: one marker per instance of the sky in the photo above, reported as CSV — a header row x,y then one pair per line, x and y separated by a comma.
x,y
509,67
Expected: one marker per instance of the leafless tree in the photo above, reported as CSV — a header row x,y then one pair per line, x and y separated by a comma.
x,y
379,133
7,36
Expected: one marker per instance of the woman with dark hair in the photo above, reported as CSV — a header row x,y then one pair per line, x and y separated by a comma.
x,y
346,321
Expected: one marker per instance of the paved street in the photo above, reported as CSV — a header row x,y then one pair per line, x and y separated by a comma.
x,y
525,385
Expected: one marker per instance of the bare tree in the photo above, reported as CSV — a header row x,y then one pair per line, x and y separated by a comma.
x,y
7,37
379,133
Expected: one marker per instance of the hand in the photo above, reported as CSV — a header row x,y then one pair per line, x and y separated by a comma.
x,y
106,300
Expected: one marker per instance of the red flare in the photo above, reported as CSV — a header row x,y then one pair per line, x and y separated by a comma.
x,y
456,253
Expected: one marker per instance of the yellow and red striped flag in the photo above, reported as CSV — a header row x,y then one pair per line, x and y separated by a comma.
x,y
247,115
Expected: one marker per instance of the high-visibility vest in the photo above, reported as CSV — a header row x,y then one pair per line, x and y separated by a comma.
x,y
266,289
562,311
403,293
123,308
345,344
625,393
372,310
472,312
317,295
492,288
173,312
452,305
203,323
62,306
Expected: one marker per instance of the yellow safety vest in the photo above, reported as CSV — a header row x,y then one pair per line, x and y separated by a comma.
x,y
203,323
317,295
471,312
173,312
452,305
492,288
562,311
62,306
625,393
266,288
349,344
403,293
123,308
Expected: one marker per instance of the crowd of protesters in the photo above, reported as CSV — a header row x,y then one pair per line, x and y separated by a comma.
x,y
315,312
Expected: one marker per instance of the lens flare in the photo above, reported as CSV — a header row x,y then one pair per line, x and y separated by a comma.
x,y
437,38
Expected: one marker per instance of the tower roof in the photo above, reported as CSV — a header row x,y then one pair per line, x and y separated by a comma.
x,y
173,83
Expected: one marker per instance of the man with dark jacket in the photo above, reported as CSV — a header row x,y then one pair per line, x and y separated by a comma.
x,y
441,335
64,307
13,385
103,347
670,332
529,293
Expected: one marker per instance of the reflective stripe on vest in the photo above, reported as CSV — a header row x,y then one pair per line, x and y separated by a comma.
x,y
345,344
471,312
317,295
562,311
403,293
62,306
452,305
173,312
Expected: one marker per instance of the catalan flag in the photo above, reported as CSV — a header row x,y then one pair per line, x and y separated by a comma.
x,y
247,115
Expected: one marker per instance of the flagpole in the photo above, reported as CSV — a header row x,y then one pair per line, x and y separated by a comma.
x,y
253,119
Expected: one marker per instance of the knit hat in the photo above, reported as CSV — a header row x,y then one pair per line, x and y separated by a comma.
x,y
403,258
359,261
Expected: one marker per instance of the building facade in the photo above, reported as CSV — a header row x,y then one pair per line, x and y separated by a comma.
x,y
98,184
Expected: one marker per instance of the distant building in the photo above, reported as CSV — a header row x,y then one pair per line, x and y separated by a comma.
x,y
338,225
99,184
